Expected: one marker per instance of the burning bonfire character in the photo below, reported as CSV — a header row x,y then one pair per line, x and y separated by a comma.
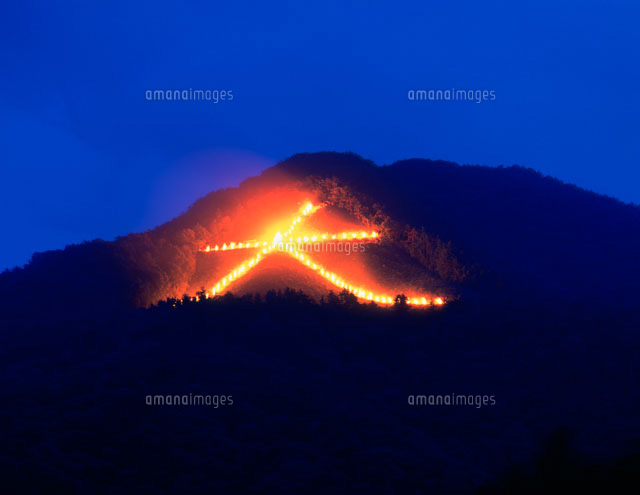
x,y
285,243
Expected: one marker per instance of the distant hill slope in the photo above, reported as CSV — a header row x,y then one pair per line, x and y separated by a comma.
x,y
484,231
526,230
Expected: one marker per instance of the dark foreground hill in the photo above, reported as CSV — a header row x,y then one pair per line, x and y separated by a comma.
x,y
544,322
320,399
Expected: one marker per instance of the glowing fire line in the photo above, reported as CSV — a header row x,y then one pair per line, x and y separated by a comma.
x,y
355,290
342,236
279,243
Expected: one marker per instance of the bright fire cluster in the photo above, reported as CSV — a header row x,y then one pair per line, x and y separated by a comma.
x,y
287,243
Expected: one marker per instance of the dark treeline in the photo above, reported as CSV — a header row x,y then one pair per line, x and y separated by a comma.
x,y
343,300
320,395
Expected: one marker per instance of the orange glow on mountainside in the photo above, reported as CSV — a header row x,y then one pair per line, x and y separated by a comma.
x,y
292,242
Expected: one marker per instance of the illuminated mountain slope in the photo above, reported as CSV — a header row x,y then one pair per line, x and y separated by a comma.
x,y
445,229
317,248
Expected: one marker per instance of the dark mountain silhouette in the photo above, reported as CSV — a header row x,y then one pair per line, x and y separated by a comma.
x,y
542,286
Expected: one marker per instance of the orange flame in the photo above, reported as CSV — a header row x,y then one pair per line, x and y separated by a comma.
x,y
277,242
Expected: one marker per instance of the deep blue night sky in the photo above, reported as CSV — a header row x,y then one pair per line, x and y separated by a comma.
x,y
85,155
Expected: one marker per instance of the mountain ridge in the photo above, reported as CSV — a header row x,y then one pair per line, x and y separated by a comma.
x,y
485,229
